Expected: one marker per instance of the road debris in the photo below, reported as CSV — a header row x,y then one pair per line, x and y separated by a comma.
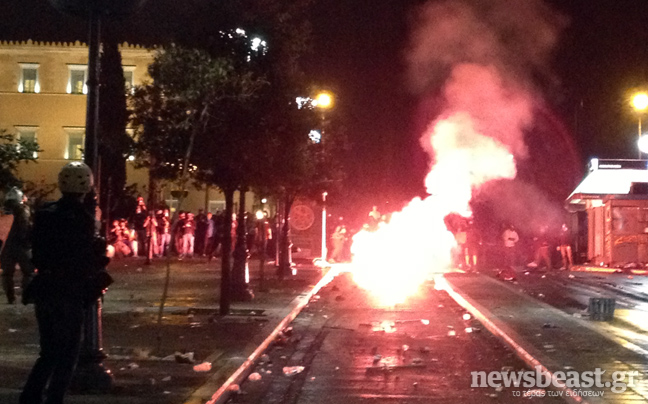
x,y
184,357
254,377
203,367
390,368
141,353
292,370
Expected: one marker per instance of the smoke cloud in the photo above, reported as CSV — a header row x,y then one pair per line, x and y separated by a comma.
x,y
516,37
483,57
486,59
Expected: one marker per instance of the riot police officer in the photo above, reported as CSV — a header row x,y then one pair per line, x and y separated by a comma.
x,y
68,260
17,247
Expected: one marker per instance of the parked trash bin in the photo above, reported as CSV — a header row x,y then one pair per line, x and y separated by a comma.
x,y
601,308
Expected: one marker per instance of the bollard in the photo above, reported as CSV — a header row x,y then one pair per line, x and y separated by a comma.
x,y
601,308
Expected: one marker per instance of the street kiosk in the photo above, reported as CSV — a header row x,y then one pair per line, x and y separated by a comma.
x,y
614,198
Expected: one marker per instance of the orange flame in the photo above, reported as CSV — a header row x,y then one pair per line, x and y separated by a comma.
x,y
396,259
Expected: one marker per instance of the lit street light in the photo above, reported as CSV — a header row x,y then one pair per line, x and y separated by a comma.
x,y
640,103
324,101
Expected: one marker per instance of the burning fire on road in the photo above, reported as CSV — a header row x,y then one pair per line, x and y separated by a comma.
x,y
477,138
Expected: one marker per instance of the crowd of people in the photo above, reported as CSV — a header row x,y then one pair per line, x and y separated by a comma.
x,y
152,233
546,248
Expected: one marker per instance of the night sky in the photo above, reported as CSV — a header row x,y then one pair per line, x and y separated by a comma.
x,y
359,53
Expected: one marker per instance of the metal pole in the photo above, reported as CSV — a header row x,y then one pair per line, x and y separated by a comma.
x,y
639,138
324,251
90,373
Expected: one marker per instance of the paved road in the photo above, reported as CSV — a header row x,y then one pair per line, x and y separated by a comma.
x,y
570,292
353,351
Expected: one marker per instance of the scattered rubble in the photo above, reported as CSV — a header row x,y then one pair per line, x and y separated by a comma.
x,y
203,367
292,370
184,357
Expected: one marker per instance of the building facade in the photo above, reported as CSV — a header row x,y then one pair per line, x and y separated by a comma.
x,y
43,98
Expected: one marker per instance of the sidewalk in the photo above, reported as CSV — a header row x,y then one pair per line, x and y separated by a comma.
x,y
608,270
548,336
141,352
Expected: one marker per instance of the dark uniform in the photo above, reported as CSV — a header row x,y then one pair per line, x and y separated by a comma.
x,y
68,259
17,251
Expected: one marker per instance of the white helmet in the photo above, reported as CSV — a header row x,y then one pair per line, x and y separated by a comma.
x,y
14,195
75,177
13,198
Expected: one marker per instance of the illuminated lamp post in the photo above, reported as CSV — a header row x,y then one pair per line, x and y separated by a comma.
x,y
90,373
324,101
640,103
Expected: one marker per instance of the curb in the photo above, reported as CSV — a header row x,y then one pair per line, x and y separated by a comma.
x,y
482,314
222,394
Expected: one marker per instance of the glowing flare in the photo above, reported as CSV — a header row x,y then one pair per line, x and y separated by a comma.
x,y
396,259
473,142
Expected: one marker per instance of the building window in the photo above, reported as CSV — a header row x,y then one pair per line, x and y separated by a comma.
x,y
28,134
29,78
77,79
75,140
215,206
129,74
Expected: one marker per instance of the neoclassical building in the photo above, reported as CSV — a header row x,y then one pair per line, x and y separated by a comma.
x,y
42,98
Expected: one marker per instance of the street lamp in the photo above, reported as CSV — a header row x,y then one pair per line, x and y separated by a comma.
x,y
324,100
640,103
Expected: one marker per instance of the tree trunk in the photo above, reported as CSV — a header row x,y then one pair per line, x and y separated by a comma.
x,y
153,192
285,260
240,274
225,297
